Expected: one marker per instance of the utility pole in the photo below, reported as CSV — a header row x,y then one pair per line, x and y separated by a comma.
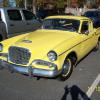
x,y
25,4
68,3
34,6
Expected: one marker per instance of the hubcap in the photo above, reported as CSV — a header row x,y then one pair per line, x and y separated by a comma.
x,y
66,67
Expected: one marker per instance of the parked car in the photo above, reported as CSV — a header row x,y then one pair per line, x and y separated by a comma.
x,y
52,50
18,20
95,16
3,32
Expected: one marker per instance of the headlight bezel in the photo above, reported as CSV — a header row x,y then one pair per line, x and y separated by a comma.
x,y
44,63
52,55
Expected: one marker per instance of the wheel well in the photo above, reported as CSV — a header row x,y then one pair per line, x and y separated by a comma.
x,y
99,39
1,37
73,57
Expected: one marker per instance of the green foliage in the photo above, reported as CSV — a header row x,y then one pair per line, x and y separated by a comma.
x,y
60,3
20,3
81,2
5,3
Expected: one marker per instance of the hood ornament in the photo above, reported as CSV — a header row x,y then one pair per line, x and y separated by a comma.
x,y
27,41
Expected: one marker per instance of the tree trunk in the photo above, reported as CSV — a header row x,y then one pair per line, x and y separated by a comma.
x,y
34,6
25,4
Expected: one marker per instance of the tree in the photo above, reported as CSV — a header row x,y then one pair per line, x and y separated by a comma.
x,y
81,3
5,3
34,6
20,3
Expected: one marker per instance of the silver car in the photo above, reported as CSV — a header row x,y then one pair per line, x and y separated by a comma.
x,y
18,20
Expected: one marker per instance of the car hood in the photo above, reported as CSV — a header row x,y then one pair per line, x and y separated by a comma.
x,y
40,42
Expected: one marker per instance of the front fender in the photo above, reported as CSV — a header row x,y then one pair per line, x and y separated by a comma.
x,y
8,42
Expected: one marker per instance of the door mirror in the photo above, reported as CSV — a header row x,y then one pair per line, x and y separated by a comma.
x,y
86,32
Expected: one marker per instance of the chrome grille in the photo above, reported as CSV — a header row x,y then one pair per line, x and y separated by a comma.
x,y
19,55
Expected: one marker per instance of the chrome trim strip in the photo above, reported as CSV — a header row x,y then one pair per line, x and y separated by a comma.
x,y
29,70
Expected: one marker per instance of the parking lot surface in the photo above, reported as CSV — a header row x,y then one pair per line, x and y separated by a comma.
x,y
14,86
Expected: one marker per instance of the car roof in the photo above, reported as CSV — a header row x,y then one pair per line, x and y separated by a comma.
x,y
68,17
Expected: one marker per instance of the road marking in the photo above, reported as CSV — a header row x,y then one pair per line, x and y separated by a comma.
x,y
92,87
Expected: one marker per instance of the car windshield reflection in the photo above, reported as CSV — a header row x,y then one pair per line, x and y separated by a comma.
x,y
61,24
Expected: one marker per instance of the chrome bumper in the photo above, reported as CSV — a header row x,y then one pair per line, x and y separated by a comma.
x,y
29,70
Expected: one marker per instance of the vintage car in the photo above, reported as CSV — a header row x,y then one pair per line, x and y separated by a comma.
x,y
53,50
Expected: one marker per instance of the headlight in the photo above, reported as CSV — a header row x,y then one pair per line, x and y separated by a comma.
x,y
1,47
52,55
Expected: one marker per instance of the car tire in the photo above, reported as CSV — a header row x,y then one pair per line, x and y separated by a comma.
x,y
66,69
2,37
97,46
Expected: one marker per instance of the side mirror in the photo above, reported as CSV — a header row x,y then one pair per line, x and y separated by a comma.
x,y
86,32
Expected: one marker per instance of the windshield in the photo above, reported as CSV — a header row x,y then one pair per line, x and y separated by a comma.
x,y
61,24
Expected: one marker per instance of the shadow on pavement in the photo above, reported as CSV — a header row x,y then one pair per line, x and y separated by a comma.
x,y
75,93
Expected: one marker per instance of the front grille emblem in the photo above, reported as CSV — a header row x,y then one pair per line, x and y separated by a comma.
x,y
27,41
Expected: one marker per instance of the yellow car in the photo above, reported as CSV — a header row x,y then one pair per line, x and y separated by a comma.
x,y
52,50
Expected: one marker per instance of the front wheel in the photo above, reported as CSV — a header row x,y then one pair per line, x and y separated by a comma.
x,y
2,37
67,69
97,46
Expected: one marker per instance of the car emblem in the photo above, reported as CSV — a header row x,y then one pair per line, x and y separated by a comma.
x,y
27,41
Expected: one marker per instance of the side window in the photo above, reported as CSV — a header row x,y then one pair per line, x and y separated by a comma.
x,y
85,27
14,15
28,15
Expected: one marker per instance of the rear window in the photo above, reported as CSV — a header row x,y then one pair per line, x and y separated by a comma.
x,y
28,15
14,15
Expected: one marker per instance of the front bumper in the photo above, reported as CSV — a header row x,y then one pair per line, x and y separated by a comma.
x,y
29,70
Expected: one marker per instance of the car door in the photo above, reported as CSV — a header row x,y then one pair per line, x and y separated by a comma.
x,y
31,22
88,38
15,21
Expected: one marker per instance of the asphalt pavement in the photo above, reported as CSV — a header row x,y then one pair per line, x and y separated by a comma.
x,y
14,86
